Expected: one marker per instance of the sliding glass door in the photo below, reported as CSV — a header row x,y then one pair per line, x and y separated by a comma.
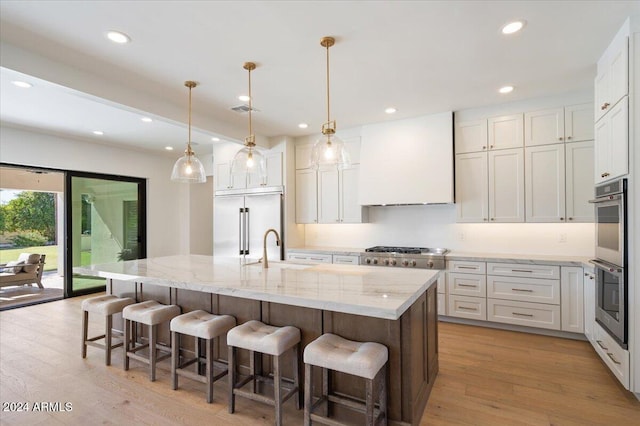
x,y
105,221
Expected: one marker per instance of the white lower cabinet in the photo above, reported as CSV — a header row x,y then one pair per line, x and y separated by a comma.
x,y
304,257
589,303
616,358
572,297
467,284
468,307
346,259
533,290
442,294
539,315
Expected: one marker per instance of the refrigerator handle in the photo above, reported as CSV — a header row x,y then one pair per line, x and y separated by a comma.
x,y
240,234
247,233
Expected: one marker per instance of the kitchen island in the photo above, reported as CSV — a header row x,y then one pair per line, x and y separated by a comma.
x,y
395,307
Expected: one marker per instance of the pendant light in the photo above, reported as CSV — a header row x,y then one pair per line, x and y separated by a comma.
x,y
329,150
188,169
249,161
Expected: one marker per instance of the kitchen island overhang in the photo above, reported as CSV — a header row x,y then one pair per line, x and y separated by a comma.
x,y
394,307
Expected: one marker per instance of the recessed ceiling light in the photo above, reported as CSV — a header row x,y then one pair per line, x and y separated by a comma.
x,y
244,98
146,119
168,148
390,110
118,37
215,139
98,132
506,89
513,27
22,84
303,125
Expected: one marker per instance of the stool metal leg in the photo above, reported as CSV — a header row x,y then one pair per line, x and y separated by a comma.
x,y
370,402
153,353
85,331
107,339
127,337
308,389
175,359
277,389
232,379
209,369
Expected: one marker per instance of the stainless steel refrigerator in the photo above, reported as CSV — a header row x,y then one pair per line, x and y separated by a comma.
x,y
240,219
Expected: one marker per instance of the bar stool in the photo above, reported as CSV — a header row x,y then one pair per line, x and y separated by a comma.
x,y
106,306
255,336
367,360
150,313
201,325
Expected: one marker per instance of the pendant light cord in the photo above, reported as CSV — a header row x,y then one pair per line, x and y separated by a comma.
x,y
189,141
250,105
328,110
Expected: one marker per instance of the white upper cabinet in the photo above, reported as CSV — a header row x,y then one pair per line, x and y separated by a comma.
x,y
273,162
612,80
471,136
612,143
545,183
578,123
222,178
328,196
303,156
350,210
579,171
306,196
407,161
472,187
506,185
506,131
544,127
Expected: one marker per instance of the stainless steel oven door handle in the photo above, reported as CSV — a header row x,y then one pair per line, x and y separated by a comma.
x,y
607,198
610,268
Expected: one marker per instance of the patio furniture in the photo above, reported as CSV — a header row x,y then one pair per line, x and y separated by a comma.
x,y
26,270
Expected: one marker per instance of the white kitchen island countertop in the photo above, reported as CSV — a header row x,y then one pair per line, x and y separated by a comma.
x,y
361,290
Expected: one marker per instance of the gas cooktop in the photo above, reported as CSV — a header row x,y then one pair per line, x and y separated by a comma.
x,y
415,257
407,250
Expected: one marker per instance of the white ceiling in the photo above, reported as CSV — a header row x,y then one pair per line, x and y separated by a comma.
x,y
420,57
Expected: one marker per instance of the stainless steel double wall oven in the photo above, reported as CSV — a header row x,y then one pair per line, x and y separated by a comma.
x,y
611,258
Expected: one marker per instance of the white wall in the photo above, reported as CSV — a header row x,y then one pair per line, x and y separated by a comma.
x,y
167,202
435,225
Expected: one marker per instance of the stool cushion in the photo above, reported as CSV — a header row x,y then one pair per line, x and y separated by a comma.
x,y
202,324
339,354
258,337
106,305
150,312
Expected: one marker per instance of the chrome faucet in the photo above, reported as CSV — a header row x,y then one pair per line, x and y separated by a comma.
x,y
264,246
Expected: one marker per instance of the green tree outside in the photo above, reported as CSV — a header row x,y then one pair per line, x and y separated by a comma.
x,y
30,211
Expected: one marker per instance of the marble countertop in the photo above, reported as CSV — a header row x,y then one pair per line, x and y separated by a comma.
x,y
362,290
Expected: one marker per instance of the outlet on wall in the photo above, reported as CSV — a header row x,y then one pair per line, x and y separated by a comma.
x,y
461,236
562,238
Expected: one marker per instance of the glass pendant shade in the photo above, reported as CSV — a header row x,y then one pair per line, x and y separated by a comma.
x,y
188,169
251,162
329,151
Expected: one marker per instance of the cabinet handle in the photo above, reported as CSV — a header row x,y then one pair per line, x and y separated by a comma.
x,y
586,275
604,106
521,270
562,218
599,342
491,146
568,137
610,355
521,315
467,285
468,267
560,138
484,147
317,258
484,219
570,218
522,289
493,218
467,309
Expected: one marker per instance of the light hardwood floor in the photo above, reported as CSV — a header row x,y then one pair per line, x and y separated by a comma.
x,y
487,377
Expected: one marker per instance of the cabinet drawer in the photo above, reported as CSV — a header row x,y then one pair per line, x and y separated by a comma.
x,y
442,304
616,358
468,307
523,313
309,258
346,259
467,267
524,289
524,270
468,284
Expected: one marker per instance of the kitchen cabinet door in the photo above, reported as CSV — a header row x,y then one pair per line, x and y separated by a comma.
x,y
273,163
222,179
471,136
572,299
589,304
350,209
545,183
328,204
612,80
602,150
506,132
544,127
506,185
578,123
579,171
306,196
303,156
472,187
612,143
